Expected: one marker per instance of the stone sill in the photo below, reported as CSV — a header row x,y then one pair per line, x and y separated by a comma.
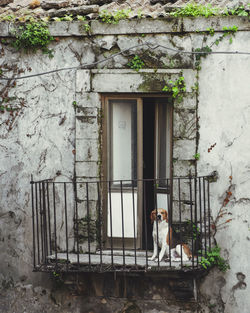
x,y
140,26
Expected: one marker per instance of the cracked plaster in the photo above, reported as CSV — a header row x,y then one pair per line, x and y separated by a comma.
x,y
40,144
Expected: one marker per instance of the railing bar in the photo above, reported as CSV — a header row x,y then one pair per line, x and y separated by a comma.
x,y
111,230
66,224
41,222
195,212
200,218
124,180
77,224
169,226
191,216
205,222
88,222
208,207
179,198
157,228
33,221
145,222
100,221
49,221
45,225
133,200
55,237
123,244
37,224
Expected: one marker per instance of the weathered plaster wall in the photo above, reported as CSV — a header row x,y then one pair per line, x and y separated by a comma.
x,y
51,137
224,120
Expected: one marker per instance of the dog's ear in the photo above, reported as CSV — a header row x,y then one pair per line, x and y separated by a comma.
x,y
153,216
165,215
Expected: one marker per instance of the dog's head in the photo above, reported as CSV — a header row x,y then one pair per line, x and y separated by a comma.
x,y
159,215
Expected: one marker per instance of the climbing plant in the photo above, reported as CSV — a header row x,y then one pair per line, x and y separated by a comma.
x,y
32,36
136,63
213,258
176,88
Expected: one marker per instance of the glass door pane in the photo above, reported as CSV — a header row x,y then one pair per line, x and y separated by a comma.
x,y
123,140
122,219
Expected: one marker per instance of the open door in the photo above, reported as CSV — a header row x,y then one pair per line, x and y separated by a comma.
x,y
138,149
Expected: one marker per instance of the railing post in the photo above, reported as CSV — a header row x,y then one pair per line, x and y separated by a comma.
x,y
77,223
33,221
204,207
133,201
123,243
66,223
88,222
37,226
44,225
55,236
179,199
145,221
208,208
111,230
100,218
191,216
49,218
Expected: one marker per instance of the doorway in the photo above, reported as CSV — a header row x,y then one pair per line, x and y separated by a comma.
x,y
138,141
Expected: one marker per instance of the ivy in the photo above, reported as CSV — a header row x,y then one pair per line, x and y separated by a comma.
x,y
114,17
238,11
204,51
176,88
32,36
136,63
195,10
213,258
197,156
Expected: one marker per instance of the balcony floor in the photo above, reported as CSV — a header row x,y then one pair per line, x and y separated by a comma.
x,y
119,261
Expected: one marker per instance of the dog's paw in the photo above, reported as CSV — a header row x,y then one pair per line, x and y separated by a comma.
x,y
152,258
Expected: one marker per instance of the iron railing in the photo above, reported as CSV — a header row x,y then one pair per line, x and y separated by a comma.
x,y
105,225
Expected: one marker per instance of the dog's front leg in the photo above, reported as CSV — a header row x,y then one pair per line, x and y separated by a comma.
x,y
163,251
155,252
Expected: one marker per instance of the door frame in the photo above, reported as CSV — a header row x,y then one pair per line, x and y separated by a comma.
x,y
104,142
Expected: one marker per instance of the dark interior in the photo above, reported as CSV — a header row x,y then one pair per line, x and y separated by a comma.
x,y
148,168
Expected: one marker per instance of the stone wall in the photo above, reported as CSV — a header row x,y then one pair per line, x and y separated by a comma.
x,y
55,133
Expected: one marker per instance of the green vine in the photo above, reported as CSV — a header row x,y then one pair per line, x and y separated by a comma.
x,y
32,36
213,258
176,88
113,17
194,10
136,63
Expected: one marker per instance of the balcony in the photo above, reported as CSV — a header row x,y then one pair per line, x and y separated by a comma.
x,y
105,226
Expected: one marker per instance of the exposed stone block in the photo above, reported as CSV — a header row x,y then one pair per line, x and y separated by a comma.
x,y
4,29
81,10
83,111
65,28
188,102
87,100
82,189
83,81
86,127
54,4
185,124
86,169
137,26
184,168
86,150
4,2
184,149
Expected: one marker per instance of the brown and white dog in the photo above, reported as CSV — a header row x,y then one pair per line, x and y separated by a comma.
x,y
159,218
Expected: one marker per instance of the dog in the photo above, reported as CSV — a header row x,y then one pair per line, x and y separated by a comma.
x,y
159,218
